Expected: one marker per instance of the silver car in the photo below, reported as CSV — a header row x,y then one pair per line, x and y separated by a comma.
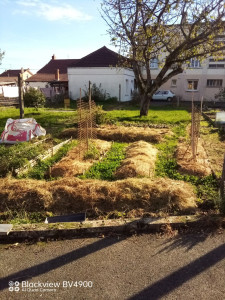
x,y
163,95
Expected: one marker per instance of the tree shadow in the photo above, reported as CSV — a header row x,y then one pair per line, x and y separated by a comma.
x,y
176,279
60,261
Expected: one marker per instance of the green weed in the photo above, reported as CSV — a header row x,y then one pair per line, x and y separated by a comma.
x,y
39,171
105,169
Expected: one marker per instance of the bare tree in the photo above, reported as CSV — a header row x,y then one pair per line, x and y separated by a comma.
x,y
173,31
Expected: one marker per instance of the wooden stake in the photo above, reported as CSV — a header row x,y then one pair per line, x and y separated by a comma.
x,y
21,102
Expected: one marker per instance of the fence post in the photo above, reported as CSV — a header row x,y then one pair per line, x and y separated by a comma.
x,y
20,86
222,182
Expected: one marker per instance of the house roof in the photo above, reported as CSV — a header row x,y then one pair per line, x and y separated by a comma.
x,y
47,73
13,73
102,57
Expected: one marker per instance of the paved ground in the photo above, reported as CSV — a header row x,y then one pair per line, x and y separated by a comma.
x,y
188,266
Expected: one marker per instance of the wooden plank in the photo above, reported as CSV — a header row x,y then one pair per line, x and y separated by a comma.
x,y
47,154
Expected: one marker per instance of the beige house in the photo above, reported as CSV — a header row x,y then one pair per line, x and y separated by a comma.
x,y
199,79
10,77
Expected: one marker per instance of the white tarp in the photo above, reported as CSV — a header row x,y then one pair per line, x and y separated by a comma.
x,y
220,117
21,130
10,91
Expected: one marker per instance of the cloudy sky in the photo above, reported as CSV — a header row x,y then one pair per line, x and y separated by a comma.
x,y
31,31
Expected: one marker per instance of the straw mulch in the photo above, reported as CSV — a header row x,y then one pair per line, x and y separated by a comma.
x,y
187,165
75,195
124,134
73,163
140,161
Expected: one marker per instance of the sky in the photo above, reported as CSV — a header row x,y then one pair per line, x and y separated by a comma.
x,y
31,31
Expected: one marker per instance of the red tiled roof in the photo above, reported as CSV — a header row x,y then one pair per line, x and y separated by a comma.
x,y
102,57
47,73
13,73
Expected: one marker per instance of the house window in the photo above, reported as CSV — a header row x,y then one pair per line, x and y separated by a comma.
x,y
216,66
192,85
215,60
154,63
127,86
174,82
194,63
214,82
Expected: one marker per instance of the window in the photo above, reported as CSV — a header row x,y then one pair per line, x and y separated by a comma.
x,y
215,60
216,66
173,82
154,63
194,63
192,85
127,86
214,82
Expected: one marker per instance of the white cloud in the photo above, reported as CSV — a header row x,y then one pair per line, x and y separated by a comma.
x,y
52,12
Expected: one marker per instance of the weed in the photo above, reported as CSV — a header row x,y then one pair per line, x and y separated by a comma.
x,y
92,153
105,169
40,170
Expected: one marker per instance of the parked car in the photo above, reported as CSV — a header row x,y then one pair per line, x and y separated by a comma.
x,y
163,95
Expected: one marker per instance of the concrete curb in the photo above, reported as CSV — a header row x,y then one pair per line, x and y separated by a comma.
x,y
104,227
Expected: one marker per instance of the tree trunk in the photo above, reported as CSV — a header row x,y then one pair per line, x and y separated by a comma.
x,y
145,101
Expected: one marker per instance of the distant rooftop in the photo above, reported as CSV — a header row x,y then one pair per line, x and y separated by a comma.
x,y
47,73
102,57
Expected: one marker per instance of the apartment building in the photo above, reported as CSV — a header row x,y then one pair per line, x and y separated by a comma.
x,y
199,79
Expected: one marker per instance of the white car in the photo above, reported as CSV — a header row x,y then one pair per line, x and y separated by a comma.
x,y
163,95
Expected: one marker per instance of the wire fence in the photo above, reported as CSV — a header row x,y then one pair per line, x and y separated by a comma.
x,y
86,123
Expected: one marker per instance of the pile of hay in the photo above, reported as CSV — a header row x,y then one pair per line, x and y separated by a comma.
x,y
75,195
73,163
124,134
131,134
140,161
187,165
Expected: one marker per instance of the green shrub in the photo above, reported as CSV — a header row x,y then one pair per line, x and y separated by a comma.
x,y
98,94
34,98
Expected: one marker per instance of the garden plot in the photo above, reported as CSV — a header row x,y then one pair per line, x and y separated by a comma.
x,y
97,197
124,134
140,161
74,163
200,166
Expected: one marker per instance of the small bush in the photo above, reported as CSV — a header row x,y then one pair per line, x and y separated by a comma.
x,y
98,94
34,98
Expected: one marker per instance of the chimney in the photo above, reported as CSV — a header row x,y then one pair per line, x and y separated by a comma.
x,y
53,56
57,74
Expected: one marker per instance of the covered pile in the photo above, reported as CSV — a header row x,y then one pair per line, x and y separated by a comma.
x,y
140,161
74,195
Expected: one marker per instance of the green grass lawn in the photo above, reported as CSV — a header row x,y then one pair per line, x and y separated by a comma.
x,y
156,115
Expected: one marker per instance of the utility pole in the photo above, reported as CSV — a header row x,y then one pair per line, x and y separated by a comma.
x,y
20,85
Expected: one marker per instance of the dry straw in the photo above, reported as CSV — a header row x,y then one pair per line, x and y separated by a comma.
x,y
199,166
124,134
74,195
73,164
140,161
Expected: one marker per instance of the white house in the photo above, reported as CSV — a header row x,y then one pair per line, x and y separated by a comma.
x,y
101,68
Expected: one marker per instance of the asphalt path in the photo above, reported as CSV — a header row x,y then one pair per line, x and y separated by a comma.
x,y
186,266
